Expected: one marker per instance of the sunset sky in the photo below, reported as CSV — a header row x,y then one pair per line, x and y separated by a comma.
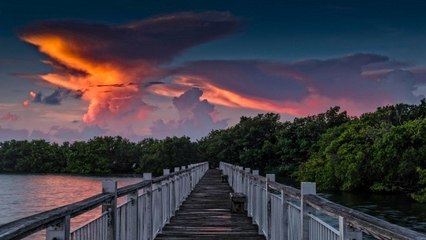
x,y
71,70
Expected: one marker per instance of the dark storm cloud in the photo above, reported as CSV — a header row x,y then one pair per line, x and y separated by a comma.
x,y
155,40
56,97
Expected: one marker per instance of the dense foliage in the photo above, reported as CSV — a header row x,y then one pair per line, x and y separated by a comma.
x,y
382,151
100,155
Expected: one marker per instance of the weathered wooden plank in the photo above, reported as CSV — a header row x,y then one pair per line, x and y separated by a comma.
x,y
206,214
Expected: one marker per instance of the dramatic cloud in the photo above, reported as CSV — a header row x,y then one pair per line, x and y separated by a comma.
x,y
359,83
54,98
108,64
196,117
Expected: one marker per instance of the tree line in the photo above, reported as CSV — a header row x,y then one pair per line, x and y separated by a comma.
x,y
382,151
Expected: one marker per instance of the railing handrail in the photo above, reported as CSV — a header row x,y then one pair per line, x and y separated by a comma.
x,y
374,226
371,225
25,226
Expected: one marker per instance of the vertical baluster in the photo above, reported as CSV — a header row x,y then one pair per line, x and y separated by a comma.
x,y
148,208
132,224
166,206
59,231
346,232
110,206
305,209
176,191
284,217
268,213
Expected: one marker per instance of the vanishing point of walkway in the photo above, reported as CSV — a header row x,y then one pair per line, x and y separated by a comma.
x,y
206,214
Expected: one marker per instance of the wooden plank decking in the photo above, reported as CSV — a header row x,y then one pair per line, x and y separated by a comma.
x,y
206,214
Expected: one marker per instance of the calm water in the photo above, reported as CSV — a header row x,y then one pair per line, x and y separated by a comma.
x,y
394,208
24,195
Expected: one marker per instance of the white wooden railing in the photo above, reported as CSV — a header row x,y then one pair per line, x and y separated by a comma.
x,y
283,212
149,207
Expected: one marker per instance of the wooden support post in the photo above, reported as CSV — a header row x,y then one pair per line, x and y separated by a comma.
x,y
192,177
305,209
110,186
246,189
60,231
346,232
148,231
284,218
132,224
254,196
167,195
269,178
177,190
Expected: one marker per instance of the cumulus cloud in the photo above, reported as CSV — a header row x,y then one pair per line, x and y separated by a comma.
x,y
108,64
196,117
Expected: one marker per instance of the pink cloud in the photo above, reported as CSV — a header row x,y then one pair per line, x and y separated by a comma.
x,y
9,117
299,88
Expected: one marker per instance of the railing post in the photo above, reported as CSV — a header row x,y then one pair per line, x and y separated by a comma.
x,y
110,206
132,225
305,209
346,232
176,190
284,218
166,204
60,231
269,178
255,199
148,231
246,189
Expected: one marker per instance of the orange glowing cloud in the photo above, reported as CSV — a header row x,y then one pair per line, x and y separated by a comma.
x,y
26,103
106,85
222,96
311,104
33,94
108,64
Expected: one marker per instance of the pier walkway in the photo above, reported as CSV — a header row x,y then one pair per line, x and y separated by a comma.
x,y
192,202
206,214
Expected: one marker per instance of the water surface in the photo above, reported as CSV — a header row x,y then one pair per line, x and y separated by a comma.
x,y
25,195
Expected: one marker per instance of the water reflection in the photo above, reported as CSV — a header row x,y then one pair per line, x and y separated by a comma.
x,y
25,195
395,208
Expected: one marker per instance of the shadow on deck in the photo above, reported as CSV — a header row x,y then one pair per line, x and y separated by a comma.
x,y
206,214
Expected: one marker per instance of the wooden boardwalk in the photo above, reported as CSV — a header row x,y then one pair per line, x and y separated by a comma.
x,y
206,214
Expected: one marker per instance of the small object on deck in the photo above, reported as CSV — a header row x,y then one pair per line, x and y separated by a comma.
x,y
237,202
225,178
